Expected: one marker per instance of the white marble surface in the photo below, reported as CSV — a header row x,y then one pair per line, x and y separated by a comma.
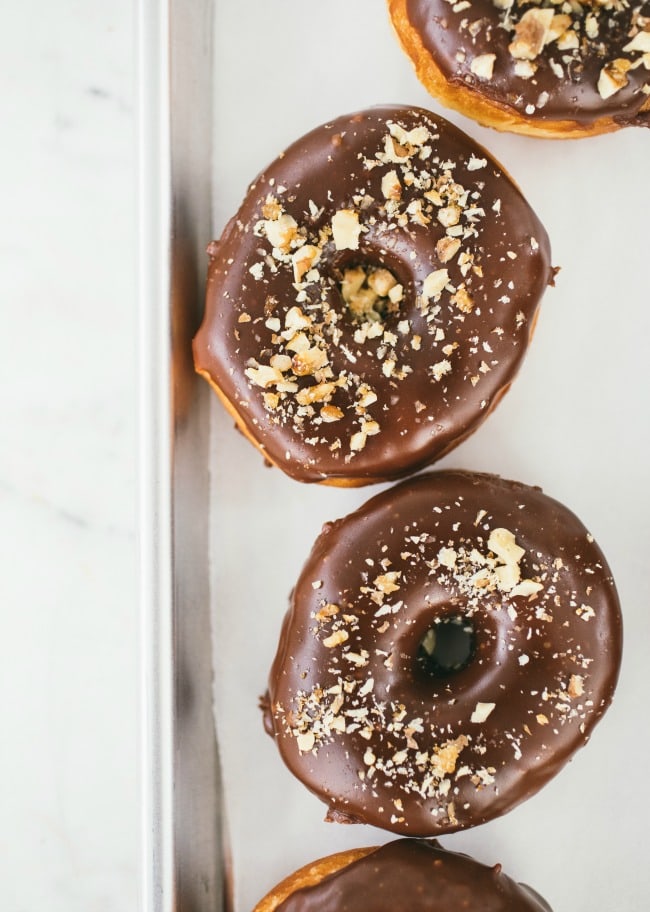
x,y
68,651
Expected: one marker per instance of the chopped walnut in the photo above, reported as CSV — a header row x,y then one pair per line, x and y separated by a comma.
x,y
369,293
282,231
303,259
525,69
444,760
381,281
449,215
482,712
483,65
331,413
613,77
321,392
391,186
309,361
346,229
462,300
531,34
306,741
502,542
447,248
640,43
336,639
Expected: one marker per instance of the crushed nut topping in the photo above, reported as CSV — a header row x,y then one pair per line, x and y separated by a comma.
x,y
306,370
566,34
492,574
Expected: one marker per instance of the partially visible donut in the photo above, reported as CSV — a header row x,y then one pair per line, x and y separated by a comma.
x,y
409,875
447,648
540,67
373,297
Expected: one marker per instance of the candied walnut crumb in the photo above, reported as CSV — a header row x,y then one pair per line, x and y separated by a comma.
x,y
336,639
576,686
462,300
531,34
346,229
391,186
483,66
327,611
481,712
303,259
434,283
613,77
330,413
305,742
447,248
271,209
449,215
281,231
446,755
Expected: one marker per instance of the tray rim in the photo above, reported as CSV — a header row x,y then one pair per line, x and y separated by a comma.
x,y
181,860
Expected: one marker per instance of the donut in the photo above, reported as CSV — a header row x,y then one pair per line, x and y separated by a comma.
x,y
373,297
547,68
408,875
447,648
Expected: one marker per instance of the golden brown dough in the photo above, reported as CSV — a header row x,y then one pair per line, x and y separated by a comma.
x,y
309,875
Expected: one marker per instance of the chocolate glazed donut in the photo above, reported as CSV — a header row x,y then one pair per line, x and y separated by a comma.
x,y
373,298
551,69
404,876
447,649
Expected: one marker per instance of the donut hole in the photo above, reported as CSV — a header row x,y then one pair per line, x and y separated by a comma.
x,y
447,647
371,293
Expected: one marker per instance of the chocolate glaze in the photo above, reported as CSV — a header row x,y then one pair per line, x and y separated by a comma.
x,y
572,94
413,875
352,713
438,365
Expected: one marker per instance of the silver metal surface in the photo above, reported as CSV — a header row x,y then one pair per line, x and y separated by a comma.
x,y
182,863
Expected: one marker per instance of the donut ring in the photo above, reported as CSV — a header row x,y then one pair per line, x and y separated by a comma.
x,y
549,69
388,730
372,299
412,874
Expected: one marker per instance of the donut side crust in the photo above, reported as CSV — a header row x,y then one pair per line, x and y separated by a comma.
x,y
333,481
340,482
309,875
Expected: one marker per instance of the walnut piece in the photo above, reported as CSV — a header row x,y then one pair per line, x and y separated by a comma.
x,y
447,248
531,34
483,65
482,712
434,283
346,229
613,77
391,186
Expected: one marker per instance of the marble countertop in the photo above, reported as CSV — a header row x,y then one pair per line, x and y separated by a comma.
x,y
68,654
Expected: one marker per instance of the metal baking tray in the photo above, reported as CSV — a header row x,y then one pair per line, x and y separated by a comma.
x,y
225,85
183,848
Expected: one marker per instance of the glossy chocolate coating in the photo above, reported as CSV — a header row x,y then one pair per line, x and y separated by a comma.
x,y
438,365
411,875
381,742
568,87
